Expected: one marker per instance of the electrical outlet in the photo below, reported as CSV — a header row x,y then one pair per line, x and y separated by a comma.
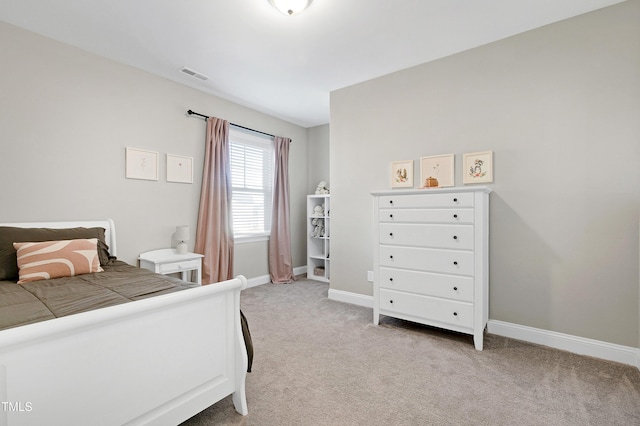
x,y
370,276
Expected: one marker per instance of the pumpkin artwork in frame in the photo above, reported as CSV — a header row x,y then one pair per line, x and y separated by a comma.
x,y
436,171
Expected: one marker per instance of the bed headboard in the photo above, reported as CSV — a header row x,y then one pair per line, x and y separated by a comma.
x,y
108,225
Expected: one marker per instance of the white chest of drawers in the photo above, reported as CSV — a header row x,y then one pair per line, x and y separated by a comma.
x,y
431,257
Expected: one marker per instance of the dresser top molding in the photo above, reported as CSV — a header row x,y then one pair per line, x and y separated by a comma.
x,y
456,189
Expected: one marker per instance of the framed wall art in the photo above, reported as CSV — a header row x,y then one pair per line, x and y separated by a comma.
x,y
440,167
141,164
179,169
477,167
402,174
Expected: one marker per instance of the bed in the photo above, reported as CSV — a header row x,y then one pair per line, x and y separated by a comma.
x,y
153,360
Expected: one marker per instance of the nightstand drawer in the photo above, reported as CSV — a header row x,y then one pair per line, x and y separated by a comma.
x,y
187,265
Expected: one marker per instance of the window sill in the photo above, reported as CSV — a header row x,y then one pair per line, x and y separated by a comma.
x,y
242,239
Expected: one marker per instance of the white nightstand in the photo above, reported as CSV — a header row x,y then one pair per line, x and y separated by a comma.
x,y
167,261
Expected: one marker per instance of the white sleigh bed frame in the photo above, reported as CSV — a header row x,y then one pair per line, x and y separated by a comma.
x,y
155,361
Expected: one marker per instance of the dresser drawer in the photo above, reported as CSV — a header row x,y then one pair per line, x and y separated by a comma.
x,y
437,236
428,284
427,308
461,215
455,262
169,268
462,199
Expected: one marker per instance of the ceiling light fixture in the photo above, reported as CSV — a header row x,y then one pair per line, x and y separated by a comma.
x,y
290,7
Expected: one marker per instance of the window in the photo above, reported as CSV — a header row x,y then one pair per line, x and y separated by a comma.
x,y
252,162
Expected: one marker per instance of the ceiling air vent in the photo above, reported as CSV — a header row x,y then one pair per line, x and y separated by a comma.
x,y
193,73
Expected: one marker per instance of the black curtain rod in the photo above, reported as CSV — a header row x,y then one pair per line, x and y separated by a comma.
x,y
236,125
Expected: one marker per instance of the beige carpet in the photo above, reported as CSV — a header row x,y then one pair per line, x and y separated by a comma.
x,y
321,362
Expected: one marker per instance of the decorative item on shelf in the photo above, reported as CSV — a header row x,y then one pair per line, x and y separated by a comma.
x,y
402,174
318,271
318,211
318,230
478,167
430,182
322,188
439,167
182,235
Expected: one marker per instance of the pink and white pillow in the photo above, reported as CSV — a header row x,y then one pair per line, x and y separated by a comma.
x,y
54,259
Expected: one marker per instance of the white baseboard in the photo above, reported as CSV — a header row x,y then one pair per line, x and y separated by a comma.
x,y
256,281
353,298
567,342
266,279
579,345
300,270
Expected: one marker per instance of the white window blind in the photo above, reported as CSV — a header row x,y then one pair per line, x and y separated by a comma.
x,y
251,156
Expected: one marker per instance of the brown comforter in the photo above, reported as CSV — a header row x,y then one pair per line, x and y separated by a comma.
x,y
22,304
120,282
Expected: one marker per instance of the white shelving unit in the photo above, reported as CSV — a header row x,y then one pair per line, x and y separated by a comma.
x,y
318,232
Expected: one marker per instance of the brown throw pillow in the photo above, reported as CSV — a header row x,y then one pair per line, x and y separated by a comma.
x,y
54,259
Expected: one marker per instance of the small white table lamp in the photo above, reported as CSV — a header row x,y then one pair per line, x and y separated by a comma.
x,y
182,235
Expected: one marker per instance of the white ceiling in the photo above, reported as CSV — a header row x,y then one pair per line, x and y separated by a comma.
x,y
283,66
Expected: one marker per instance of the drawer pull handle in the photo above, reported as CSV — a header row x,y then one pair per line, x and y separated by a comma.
x,y
455,289
390,216
455,216
455,262
455,314
390,301
455,200
391,257
391,234
455,237
390,201
390,279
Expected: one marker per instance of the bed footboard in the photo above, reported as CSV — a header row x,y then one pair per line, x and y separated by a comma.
x,y
155,361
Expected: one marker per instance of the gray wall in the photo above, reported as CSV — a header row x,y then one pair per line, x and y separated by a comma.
x,y
560,108
318,156
66,117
